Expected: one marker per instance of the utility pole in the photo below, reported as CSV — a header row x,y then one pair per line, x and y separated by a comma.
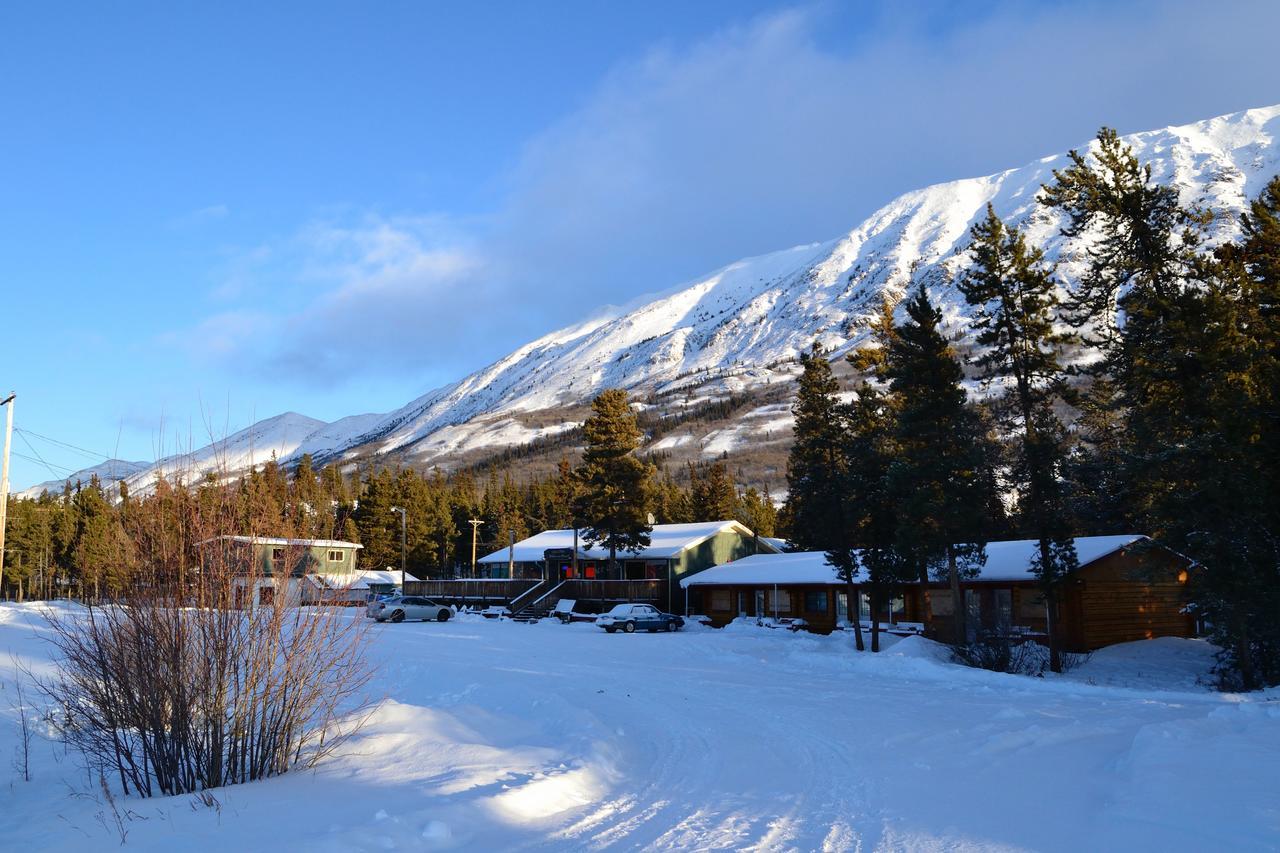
x,y
4,478
475,530
403,539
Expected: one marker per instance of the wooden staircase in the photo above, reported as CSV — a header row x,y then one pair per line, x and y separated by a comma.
x,y
538,602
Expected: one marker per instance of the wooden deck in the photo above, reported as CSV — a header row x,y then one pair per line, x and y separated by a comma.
x,y
592,595
471,592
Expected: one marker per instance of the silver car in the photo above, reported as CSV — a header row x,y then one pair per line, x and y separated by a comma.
x,y
398,608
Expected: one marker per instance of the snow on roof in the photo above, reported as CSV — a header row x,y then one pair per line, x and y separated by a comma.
x,y
275,540
808,567
356,580
1006,561
665,541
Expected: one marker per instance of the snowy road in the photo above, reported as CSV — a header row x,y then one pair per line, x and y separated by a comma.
x,y
507,736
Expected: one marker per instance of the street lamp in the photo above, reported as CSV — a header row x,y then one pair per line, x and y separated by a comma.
x,y
403,549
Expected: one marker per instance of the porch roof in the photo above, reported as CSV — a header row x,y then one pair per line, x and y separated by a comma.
x,y
1009,560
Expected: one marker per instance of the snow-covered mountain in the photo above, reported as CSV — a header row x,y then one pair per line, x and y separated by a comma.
x,y
108,473
743,326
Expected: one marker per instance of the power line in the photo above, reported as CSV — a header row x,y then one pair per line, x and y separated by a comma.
x,y
45,464
61,443
38,456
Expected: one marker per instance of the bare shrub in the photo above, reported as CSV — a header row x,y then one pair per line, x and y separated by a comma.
x,y
999,652
192,680
22,753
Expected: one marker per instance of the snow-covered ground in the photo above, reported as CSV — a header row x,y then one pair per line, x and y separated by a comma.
x,y
509,736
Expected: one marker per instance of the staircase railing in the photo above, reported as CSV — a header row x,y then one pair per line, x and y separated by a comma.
x,y
522,600
555,589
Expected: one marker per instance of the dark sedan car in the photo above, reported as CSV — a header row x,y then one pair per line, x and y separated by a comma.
x,y
629,617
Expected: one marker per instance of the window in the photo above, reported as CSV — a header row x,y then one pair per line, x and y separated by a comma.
x,y
1004,608
815,601
779,601
1030,605
337,556
720,599
277,555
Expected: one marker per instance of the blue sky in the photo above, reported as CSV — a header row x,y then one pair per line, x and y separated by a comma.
x,y
212,214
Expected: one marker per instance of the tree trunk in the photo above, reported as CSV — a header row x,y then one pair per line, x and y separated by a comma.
x,y
854,619
875,621
1051,609
959,614
1245,662
926,597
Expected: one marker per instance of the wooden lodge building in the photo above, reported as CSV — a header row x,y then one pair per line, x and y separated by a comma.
x,y
1126,588
674,551
530,576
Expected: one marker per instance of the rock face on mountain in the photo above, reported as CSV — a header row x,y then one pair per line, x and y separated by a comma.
x,y
736,333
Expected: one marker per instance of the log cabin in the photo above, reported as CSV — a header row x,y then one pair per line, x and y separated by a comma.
x,y
1125,588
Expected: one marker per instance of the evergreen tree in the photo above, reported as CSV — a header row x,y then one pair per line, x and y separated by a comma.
x,y
869,504
940,478
756,510
1189,366
817,473
616,489
713,494
1098,493
1014,298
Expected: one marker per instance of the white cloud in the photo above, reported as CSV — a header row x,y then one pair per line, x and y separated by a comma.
x,y
758,137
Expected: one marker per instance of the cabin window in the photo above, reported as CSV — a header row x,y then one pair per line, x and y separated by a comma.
x,y
864,607
720,600
277,555
1004,608
337,556
779,601
816,601
941,603
842,606
1030,605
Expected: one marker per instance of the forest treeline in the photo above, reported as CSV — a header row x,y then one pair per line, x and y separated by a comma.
x,y
86,541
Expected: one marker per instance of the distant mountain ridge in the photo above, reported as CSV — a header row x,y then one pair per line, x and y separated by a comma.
x,y
743,326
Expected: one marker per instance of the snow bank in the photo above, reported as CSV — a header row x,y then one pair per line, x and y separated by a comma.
x,y
500,735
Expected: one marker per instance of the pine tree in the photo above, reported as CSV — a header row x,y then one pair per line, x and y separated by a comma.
x,y
1098,493
869,504
616,489
940,478
756,510
1189,366
817,473
1014,296
1139,251
713,494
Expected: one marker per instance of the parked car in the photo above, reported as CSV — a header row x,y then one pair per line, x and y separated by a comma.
x,y
398,608
374,605
629,617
